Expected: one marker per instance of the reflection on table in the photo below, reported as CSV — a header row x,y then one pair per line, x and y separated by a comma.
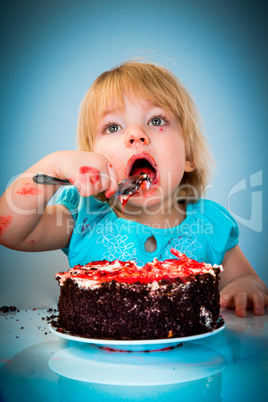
x,y
231,365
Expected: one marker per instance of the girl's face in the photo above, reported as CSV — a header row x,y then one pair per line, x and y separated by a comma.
x,y
145,138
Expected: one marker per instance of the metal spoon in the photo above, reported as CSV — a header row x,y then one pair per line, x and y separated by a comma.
x,y
128,186
132,184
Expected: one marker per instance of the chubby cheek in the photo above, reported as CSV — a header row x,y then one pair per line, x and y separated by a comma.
x,y
174,176
171,169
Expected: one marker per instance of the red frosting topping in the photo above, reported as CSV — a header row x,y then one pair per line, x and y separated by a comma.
x,y
128,272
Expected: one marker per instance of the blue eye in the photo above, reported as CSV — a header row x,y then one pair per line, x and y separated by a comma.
x,y
111,128
158,121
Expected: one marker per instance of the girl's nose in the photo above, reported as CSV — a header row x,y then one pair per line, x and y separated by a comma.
x,y
137,137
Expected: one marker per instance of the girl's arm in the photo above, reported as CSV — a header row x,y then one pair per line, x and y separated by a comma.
x,y
240,286
26,223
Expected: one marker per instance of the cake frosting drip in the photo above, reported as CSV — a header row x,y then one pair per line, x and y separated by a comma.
x,y
95,273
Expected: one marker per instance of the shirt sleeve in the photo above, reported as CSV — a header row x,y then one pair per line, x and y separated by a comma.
x,y
224,221
69,198
219,228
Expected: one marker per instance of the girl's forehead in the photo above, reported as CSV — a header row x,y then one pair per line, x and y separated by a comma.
x,y
118,103
111,108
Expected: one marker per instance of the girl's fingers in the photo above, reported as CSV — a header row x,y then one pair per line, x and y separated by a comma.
x,y
87,180
226,301
241,304
258,303
240,301
113,181
91,181
86,189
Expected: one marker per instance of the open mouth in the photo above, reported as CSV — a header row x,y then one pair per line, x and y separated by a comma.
x,y
143,163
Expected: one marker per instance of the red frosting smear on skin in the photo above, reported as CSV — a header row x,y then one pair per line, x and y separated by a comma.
x,y
4,222
71,180
94,174
29,190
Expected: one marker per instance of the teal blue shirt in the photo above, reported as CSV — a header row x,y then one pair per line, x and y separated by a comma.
x,y
207,232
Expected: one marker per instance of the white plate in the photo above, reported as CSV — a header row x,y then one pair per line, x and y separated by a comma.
x,y
136,345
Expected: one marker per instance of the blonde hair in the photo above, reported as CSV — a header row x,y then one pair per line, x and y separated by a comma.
x,y
160,86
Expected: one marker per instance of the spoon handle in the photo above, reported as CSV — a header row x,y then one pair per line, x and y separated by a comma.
x,y
45,179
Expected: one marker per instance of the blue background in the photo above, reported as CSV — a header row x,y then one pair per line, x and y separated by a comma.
x,y
51,52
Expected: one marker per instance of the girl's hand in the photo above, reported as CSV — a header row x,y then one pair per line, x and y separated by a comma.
x,y
240,286
27,223
245,292
90,172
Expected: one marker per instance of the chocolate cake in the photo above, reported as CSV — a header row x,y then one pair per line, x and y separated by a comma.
x,y
119,300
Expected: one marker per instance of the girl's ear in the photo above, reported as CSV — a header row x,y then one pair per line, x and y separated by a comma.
x,y
189,166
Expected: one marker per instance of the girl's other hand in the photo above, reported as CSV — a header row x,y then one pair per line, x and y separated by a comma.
x,y
90,172
245,292
240,286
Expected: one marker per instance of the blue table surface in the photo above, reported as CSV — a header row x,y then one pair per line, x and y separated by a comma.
x,y
29,351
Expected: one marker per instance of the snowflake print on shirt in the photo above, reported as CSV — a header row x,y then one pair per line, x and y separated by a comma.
x,y
117,246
